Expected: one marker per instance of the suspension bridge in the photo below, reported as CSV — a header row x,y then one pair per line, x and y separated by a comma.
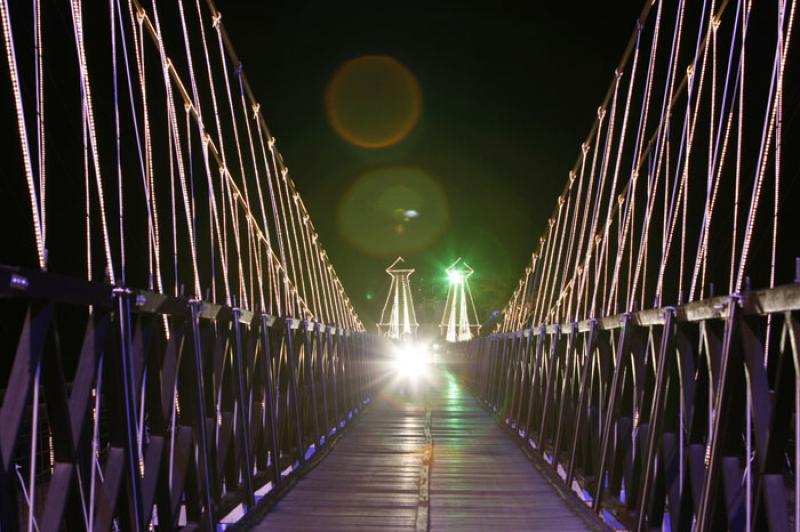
x,y
181,352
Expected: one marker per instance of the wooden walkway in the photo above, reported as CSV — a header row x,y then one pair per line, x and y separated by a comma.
x,y
377,477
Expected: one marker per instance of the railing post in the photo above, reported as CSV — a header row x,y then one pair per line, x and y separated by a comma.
x,y
200,416
548,385
569,367
266,348
654,429
125,373
333,357
537,356
308,363
324,367
589,345
608,422
706,511
291,356
243,410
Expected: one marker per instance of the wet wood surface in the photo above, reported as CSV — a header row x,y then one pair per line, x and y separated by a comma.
x,y
478,480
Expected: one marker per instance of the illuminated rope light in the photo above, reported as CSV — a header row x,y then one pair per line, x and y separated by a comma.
x,y
194,110
22,130
281,202
216,226
154,242
637,159
276,157
767,135
173,124
779,65
589,236
88,111
229,186
38,44
137,133
291,196
552,245
173,211
719,162
662,140
257,178
739,141
618,162
621,223
672,217
269,178
562,251
557,249
544,245
325,309
610,129
217,18
310,263
118,152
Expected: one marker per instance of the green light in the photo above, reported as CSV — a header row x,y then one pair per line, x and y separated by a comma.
x,y
455,276
369,296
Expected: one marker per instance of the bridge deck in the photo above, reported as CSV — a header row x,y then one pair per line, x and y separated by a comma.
x,y
478,480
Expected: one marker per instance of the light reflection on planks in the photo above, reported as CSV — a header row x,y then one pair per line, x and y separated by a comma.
x,y
480,480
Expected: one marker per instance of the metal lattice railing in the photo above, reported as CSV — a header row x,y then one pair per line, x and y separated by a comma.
x,y
661,403
179,342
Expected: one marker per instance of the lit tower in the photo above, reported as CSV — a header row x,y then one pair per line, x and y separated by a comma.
x,y
460,320
401,320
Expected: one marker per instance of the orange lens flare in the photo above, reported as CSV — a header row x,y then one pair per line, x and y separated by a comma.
x,y
373,101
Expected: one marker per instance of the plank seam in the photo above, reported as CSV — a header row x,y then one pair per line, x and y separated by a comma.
x,y
423,502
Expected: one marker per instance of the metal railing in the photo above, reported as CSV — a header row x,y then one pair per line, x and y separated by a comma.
x,y
647,415
204,407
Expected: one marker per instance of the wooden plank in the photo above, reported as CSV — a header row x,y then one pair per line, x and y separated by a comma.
x,y
369,481
479,478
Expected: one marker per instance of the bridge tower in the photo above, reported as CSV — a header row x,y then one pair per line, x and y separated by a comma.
x,y
460,319
400,320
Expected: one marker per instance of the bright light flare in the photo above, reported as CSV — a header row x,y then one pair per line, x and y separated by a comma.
x,y
455,276
411,361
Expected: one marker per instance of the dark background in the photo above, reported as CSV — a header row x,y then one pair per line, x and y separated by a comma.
x,y
508,95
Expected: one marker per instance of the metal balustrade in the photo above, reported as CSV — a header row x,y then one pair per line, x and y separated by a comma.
x,y
644,414
254,395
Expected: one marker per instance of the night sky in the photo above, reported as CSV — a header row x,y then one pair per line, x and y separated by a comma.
x,y
507,96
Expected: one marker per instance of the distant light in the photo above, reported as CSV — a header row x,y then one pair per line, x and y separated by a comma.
x,y
410,213
411,361
455,276
370,296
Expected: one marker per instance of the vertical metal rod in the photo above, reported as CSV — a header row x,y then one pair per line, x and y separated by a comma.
x,y
610,406
200,421
291,356
665,357
550,378
333,357
571,361
582,398
533,380
244,417
324,364
308,362
270,398
129,404
706,508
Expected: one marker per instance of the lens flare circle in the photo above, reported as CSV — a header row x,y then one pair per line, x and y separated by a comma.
x,y
373,101
373,214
